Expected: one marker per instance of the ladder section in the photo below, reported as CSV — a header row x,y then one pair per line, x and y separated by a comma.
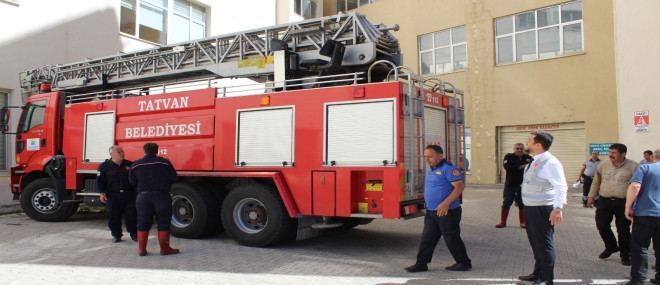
x,y
248,54
414,137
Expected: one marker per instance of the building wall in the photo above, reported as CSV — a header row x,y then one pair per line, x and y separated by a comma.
x,y
638,67
569,89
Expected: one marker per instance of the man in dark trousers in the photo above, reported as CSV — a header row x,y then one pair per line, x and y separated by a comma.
x,y
611,183
443,187
643,209
117,193
514,164
544,193
154,177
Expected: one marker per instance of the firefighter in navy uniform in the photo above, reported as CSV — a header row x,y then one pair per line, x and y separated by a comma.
x,y
154,177
117,193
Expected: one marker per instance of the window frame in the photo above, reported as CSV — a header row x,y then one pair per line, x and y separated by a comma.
x,y
171,14
435,48
358,4
514,33
298,8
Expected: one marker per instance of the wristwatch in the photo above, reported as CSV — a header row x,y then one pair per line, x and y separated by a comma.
x,y
558,209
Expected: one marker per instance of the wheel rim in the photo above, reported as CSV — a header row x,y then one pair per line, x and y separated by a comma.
x,y
250,215
183,213
45,200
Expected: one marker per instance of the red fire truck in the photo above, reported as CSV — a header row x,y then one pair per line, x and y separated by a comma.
x,y
336,139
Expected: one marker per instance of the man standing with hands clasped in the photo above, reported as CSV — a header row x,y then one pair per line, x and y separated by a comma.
x,y
643,209
515,164
443,187
544,194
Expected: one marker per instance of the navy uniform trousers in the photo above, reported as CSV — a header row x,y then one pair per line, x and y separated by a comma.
x,y
154,203
121,205
447,226
540,234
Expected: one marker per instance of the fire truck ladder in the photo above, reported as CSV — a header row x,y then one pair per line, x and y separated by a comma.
x,y
456,122
414,136
345,41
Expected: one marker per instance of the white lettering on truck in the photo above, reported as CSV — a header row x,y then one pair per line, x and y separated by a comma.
x,y
164,130
163,104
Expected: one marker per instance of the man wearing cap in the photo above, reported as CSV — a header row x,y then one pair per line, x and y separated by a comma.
x,y
117,193
611,183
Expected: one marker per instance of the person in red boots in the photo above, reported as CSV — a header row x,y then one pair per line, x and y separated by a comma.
x,y
154,177
514,164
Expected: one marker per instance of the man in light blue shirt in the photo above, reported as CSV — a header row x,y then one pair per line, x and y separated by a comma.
x,y
643,209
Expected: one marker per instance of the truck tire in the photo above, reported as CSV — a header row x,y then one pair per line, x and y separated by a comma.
x,y
254,215
194,211
39,201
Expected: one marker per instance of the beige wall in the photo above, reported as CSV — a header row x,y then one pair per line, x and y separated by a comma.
x,y
577,88
638,70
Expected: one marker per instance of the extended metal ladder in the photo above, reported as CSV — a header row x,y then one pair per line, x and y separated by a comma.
x,y
248,54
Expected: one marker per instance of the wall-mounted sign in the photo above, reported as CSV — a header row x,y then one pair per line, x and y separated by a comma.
x,y
601,148
642,121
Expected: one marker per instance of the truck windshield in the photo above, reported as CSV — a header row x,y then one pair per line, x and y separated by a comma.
x,y
33,115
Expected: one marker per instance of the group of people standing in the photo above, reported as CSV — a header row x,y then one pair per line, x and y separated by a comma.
x,y
620,189
138,191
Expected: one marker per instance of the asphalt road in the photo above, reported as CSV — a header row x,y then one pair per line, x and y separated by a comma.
x,y
80,251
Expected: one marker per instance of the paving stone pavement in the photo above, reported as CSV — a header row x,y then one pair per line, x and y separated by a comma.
x,y
79,251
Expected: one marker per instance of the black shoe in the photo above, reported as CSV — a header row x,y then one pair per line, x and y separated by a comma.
x,y
459,267
116,239
134,237
655,281
417,267
636,282
530,277
541,282
607,252
626,261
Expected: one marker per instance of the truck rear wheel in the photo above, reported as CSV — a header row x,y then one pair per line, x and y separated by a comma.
x,y
40,202
194,211
254,215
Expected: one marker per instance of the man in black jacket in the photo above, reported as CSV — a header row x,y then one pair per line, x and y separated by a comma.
x,y
514,164
117,193
154,177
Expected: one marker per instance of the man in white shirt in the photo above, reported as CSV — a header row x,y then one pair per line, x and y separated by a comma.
x,y
544,194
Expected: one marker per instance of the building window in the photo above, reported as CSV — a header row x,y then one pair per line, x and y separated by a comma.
x,y
544,33
163,21
345,5
305,8
443,52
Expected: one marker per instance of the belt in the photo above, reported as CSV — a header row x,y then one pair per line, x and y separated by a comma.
x,y
612,198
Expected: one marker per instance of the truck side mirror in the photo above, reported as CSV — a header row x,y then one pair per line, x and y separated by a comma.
x,y
4,119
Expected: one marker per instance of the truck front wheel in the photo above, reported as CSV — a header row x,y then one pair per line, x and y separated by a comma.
x,y
40,202
254,215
